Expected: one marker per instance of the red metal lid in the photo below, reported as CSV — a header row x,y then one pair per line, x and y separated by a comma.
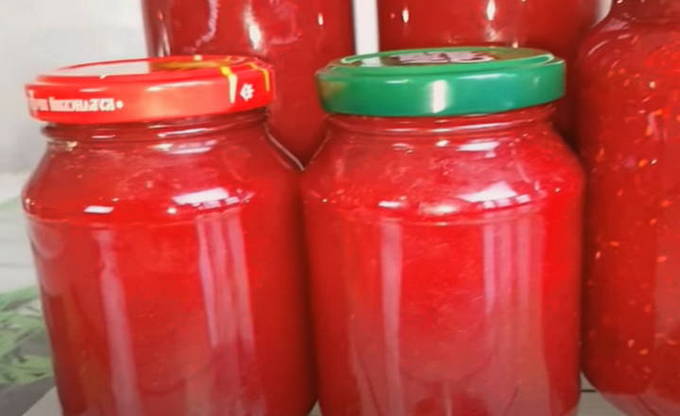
x,y
150,89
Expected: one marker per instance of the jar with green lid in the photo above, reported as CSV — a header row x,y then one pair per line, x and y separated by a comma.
x,y
444,224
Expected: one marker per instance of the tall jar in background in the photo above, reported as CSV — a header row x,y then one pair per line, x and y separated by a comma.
x,y
444,229
166,235
629,98
554,25
297,36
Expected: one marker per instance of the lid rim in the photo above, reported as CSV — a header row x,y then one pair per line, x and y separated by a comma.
x,y
493,85
345,63
151,89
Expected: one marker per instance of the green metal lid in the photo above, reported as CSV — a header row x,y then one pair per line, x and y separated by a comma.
x,y
441,82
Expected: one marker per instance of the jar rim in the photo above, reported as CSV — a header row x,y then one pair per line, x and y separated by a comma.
x,y
444,125
157,130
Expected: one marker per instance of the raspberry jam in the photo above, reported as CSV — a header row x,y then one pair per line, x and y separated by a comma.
x,y
297,36
445,239
629,82
554,25
165,228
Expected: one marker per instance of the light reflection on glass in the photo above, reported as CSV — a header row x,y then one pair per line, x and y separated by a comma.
x,y
98,209
491,10
405,15
493,193
202,197
254,31
439,93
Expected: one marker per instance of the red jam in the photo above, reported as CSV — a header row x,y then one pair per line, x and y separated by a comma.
x,y
297,36
555,25
629,81
445,255
168,250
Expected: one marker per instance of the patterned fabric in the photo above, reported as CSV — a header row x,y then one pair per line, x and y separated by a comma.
x,y
25,367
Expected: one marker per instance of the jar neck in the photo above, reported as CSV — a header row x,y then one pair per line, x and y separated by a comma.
x,y
175,129
463,127
647,9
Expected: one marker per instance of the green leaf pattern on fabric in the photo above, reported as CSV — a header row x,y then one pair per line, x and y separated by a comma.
x,y
20,322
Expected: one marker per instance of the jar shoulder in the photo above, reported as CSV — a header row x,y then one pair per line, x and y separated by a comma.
x,y
442,177
148,181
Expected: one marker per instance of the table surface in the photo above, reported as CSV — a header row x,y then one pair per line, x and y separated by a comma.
x,y
16,272
591,405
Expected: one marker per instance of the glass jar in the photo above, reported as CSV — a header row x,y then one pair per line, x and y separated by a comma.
x,y
444,232
555,25
166,234
297,36
629,82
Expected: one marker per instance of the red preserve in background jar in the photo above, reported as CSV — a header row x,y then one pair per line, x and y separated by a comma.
x,y
555,25
297,36
629,98
443,218
165,229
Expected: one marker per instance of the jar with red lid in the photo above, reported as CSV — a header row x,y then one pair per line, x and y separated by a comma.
x,y
629,99
166,234
297,36
555,25
443,218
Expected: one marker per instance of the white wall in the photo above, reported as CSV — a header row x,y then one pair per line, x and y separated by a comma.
x,y
40,35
